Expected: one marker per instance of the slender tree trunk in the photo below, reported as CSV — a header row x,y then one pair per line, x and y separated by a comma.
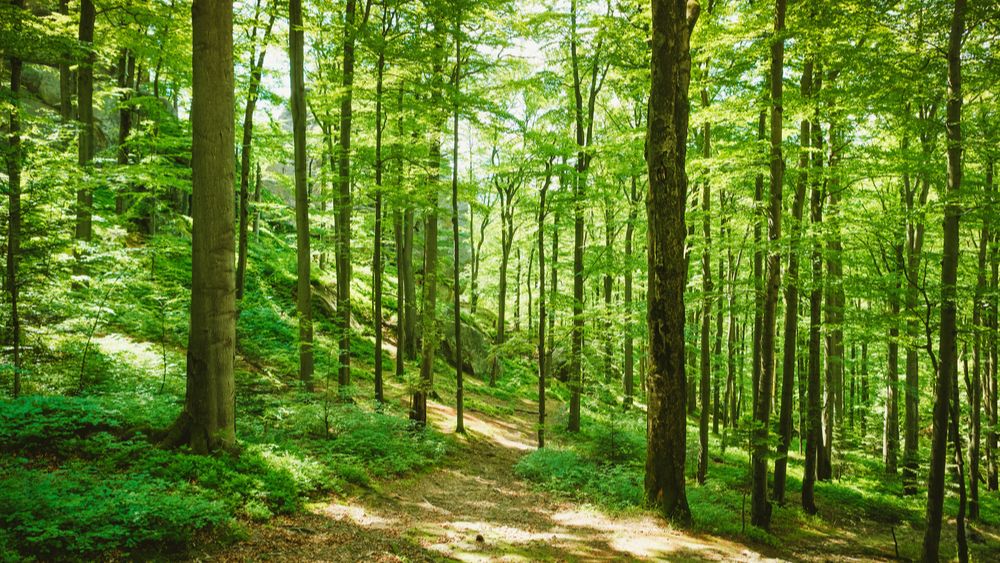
x,y
410,289
990,383
666,143
256,200
207,423
633,213
814,430
760,507
296,42
377,243
85,101
13,154
948,356
126,73
792,300
975,386
706,315
890,434
959,459
914,225
397,232
517,294
864,391
554,289
459,384
344,203
256,68
65,76
542,364
429,328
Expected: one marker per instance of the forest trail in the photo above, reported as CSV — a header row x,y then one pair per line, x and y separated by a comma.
x,y
473,508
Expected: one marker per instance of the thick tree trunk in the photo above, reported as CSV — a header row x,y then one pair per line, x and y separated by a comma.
x,y
791,325
207,422
990,383
834,317
666,143
948,352
85,101
760,507
296,44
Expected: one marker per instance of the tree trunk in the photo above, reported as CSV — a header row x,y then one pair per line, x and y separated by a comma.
x,y
760,507
429,328
13,154
377,243
126,72
706,315
666,142
410,288
542,364
814,429
979,366
256,68
947,353
459,390
633,212
791,325
344,204
296,42
65,76
207,422
991,382
890,434
85,101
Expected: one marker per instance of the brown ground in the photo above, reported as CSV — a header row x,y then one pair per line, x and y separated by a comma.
x,y
472,508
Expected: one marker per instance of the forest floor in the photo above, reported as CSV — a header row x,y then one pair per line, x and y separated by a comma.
x,y
473,508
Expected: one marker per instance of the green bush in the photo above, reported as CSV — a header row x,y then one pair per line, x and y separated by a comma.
x,y
45,423
567,473
77,512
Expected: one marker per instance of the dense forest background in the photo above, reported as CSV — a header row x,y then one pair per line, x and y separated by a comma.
x,y
421,279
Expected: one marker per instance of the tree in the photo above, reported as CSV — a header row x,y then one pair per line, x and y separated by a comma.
x,y
792,298
947,368
760,513
207,423
296,46
256,70
666,149
85,103
13,161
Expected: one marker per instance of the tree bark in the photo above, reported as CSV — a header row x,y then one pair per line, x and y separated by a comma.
x,y
542,364
633,213
666,149
256,69
85,102
207,423
377,261
814,429
947,352
706,315
791,324
760,507
429,328
459,390
13,158
296,44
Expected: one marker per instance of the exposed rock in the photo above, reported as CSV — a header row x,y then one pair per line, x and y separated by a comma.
x,y
475,347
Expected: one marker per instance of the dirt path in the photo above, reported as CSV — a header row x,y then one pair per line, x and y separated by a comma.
x,y
473,508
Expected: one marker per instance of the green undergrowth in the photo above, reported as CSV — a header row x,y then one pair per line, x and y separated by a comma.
x,y
603,465
80,481
81,477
